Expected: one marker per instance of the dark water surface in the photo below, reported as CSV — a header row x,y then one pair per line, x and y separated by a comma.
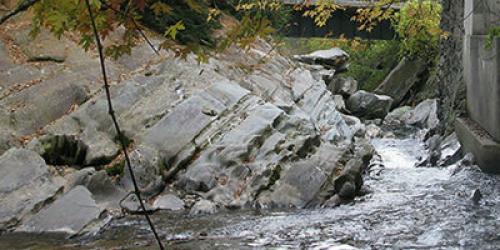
x,y
407,208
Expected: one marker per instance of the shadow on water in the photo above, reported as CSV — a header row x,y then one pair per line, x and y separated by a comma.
x,y
408,207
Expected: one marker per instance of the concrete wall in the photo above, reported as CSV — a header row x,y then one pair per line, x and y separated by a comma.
x,y
481,73
482,65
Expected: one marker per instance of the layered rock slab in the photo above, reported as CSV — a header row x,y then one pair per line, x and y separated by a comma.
x,y
25,184
69,214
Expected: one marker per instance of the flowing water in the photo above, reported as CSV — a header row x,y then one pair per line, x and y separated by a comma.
x,y
406,208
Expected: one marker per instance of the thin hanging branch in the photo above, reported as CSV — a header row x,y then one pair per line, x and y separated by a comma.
x,y
136,25
23,6
117,127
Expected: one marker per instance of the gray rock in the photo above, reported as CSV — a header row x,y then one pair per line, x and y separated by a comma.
x,y
168,202
451,150
79,177
69,214
425,115
358,128
399,116
131,204
434,148
146,163
373,131
468,159
401,79
347,190
476,196
306,182
368,105
340,104
25,184
104,190
187,120
345,86
334,201
334,58
203,207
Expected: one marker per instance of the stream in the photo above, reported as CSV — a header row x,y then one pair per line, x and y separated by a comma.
x,y
406,208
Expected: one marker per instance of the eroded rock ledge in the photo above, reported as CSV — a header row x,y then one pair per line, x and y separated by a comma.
x,y
244,130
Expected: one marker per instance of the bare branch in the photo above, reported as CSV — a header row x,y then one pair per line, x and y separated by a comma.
x,y
23,6
116,125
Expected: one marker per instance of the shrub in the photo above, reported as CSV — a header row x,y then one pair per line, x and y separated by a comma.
x,y
417,25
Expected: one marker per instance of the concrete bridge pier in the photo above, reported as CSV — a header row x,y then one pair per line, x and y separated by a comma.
x,y
479,133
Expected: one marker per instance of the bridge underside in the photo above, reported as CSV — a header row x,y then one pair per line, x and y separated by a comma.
x,y
339,24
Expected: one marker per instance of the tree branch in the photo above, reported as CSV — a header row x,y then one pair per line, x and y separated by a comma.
x,y
117,127
23,6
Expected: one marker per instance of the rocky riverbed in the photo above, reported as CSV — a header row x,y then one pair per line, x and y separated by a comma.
x,y
226,154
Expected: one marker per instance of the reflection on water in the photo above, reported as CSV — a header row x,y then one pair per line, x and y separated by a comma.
x,y
408,207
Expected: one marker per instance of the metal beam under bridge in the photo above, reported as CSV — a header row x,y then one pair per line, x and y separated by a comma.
x,y
339,24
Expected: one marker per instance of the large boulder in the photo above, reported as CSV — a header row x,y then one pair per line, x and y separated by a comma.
x,y
25,185
398,116
345,86
334,58
369,105
401,79
425,115
69,214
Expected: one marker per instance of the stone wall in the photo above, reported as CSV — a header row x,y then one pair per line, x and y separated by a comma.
x,y
451,85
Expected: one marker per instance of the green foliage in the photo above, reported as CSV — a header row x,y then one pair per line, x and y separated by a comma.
x,y
417,25
370,61
492,34
188,25
182,21
116,168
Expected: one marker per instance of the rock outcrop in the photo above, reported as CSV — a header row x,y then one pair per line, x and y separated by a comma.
x,y
232,138
26,184
368,105
334,58
402,79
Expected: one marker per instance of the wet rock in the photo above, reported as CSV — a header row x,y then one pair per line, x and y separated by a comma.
x,y
347,190
79,177
368,105
476,196
468,160
131,204
187,120
434,148
451,150
373,131
168,202
425,115
104,190
340,104
401,79
345,86
320,73
334,201
200,177
203,207
334,58
69,214
358,128
318,105
303,182
100,149
363,149
25,184
146,163
350,180
399,116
